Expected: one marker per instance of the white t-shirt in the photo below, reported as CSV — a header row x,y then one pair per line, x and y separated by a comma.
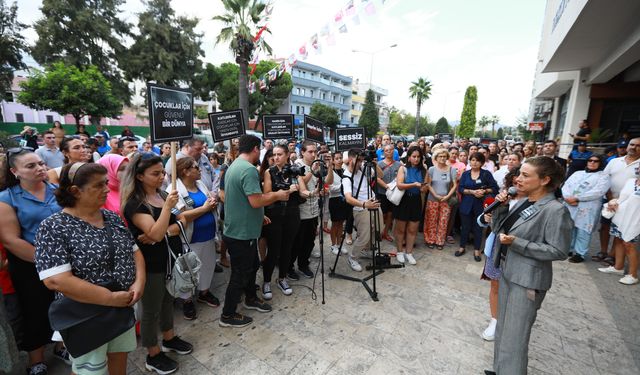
x,y
620,172
349,185
499,176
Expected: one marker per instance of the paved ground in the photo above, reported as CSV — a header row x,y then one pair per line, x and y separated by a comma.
x,y
428,321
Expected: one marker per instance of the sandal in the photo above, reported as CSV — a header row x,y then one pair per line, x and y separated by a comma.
x,y
450,239
440,247
599,257
610,260
431,246
388,238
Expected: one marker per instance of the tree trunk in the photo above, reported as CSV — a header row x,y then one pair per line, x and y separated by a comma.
x,y
243,94
417,120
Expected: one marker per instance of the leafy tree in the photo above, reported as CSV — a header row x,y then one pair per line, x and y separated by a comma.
x,y
442,126
402,123
420,90
67,89
468,118
260,102
84,33
500,134
327,114
206,81
240,25
12,44
167,48
201,113
369,118
522,127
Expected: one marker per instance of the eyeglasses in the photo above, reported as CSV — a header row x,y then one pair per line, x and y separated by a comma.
x,y
17,151
593,161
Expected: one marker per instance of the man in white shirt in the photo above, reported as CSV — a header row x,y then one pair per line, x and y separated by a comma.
x,y
50,153
267,145
513,161
358,194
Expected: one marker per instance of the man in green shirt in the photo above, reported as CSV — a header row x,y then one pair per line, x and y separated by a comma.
x,y
244,217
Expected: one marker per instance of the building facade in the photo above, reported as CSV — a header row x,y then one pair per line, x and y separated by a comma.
x,y
359,91
311,84
588,68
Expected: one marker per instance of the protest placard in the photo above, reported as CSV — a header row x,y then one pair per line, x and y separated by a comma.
x,y
170,113
277,126
313,129
348,138
226,125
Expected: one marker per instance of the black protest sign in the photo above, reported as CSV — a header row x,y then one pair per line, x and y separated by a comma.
x,y
226,125
348,138
277,126
313,129
170,113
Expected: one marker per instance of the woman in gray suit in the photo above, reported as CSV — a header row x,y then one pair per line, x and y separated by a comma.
x,y
531,235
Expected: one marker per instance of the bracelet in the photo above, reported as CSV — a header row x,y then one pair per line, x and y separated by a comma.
x,y
363,203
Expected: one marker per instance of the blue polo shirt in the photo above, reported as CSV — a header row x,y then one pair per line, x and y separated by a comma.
x,y
380,153
30,210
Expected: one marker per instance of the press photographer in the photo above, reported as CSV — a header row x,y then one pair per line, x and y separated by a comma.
x,y
309,210
285,219
358,193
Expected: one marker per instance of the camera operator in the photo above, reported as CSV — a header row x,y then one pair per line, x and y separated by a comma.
x,y
310,189
359,194
285,220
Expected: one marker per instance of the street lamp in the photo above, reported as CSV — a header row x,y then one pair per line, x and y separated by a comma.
x,y
372,54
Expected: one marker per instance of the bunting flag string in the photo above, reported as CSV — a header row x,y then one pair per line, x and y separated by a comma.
x,y
351,13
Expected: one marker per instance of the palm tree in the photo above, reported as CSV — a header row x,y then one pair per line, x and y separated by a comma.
x,y
483,122
421,91
494,120
241,24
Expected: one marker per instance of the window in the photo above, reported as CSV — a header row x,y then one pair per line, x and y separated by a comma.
x,y
341,99
311,93
49,119
298,110
353,106
333,98
302,92
324,96
19,117
304,74
8,96
297,90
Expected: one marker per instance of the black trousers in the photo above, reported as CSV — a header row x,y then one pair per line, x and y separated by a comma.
x,y
280,236
304,242
244,265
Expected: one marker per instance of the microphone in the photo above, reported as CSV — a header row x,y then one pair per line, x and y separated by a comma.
x,y
512,193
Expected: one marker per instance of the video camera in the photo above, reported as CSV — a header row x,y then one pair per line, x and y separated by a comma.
x,y
368,154
281,182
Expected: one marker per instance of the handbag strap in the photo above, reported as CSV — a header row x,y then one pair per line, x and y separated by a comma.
x,y
112,250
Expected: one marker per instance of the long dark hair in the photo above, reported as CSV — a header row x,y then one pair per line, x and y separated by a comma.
x,y
264,166
131,188
10,180
420,165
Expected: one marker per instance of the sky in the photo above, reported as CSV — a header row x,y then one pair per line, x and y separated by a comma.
x,y
492,44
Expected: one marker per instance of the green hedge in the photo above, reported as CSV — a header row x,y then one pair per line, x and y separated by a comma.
x,y
16,127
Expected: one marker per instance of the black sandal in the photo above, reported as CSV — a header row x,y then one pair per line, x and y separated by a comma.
x,y
599,257
610,260
459,253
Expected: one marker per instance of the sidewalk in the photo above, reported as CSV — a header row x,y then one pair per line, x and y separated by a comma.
x,y
428,321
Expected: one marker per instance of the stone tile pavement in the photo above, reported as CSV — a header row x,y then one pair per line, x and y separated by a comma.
x,y
428,321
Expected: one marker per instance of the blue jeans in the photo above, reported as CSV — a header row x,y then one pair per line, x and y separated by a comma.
x,y
580,240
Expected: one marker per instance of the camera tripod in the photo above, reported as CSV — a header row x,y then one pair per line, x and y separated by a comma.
x,y
374,238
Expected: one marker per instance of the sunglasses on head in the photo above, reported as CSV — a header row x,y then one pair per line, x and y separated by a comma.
x,y
18,150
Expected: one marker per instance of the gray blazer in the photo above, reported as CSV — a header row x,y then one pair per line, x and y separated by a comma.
x,y
541,237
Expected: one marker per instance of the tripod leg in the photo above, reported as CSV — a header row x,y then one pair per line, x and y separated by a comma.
x,y
335,263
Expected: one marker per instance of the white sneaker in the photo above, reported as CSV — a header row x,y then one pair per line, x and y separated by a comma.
x,y
334,249
489,333
315,253
611,269
410,258
353,263
628,280
400,257
266,291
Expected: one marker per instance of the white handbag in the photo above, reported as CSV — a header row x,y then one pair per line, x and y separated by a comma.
x,y
394,195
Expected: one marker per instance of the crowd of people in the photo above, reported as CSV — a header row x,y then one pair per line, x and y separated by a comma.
x,y
96,221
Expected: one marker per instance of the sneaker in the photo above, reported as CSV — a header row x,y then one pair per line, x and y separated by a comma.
x,y
576,258
293,275
400,257
315,253
353,263
284,287
161,364
306,272
334,249
209,299
62,355
235,321
611,269
410,258
256,304
38,369
489,334
189,310
266,291
177,345
628,280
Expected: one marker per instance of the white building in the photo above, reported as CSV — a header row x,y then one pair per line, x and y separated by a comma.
x,y
379,93
588,68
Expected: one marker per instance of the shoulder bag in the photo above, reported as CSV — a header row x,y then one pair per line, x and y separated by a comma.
x,y
86,326
185,273
393,193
